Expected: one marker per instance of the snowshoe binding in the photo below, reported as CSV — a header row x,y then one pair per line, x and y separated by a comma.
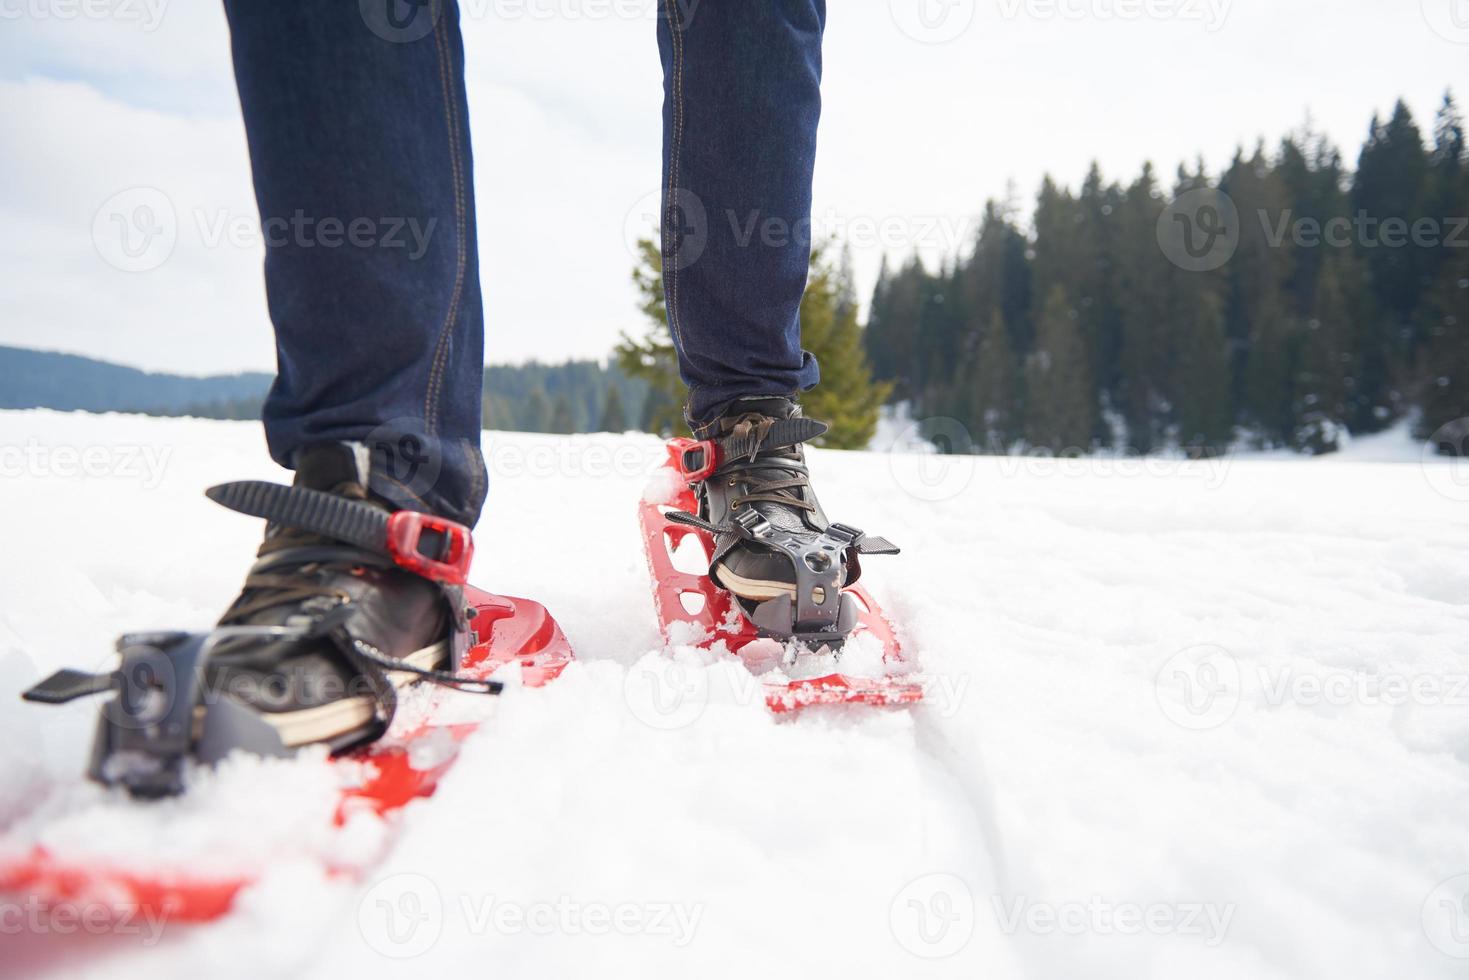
x,y
788,568
347,602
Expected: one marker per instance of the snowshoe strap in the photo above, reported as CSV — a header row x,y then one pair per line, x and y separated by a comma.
x,y
697,459
859,540
819,609
434,547
781,434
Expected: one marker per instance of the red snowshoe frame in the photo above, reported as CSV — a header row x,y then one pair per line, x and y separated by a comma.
x,y
716,614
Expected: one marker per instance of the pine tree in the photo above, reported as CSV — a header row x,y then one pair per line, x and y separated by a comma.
x,y
1143,273
1389,187
563,419
993,414
1330,362
1444,313
1258,311
847,398
1097,281
614,416
1204,417
1445,392
651,357
1062,411
536,415
877,338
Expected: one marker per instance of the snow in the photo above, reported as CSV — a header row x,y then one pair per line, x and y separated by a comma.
x,y
1185,720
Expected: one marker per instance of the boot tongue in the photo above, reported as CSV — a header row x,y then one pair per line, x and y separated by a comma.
x,y
334,467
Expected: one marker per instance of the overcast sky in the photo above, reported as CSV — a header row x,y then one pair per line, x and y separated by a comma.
x,y
932,106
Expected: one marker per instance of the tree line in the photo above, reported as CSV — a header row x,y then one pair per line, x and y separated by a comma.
x,y
575,396
1289,301
848,398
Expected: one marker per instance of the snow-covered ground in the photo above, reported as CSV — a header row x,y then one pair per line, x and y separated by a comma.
x,y
1186,720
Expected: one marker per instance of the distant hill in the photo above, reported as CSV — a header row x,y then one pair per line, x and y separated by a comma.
x,y
577,396
45,379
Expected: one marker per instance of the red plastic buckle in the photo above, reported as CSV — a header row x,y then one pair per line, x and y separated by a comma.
x,y
707,463
405,535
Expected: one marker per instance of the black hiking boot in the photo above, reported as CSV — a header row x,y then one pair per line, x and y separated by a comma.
x,y
775,551
393,625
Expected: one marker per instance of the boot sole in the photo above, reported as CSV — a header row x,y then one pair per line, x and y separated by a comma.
x,y
329,722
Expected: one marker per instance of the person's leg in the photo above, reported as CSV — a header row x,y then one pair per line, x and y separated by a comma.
x,y
742,98
359,142
741,83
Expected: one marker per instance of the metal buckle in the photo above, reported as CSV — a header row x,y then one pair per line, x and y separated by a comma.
x,y
847,531
753,522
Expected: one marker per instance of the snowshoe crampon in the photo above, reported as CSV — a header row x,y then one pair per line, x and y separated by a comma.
x,y
691,609
377,778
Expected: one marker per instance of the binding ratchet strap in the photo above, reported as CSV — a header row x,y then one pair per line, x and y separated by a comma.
x,y
434,547
851,537
697,459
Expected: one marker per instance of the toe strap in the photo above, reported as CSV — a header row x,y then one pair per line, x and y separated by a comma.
x,y
818,560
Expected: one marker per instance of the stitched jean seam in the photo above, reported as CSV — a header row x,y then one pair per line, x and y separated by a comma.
x,y
451,122
670,268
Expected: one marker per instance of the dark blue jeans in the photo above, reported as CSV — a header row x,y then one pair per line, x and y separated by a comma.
x,y
359,141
